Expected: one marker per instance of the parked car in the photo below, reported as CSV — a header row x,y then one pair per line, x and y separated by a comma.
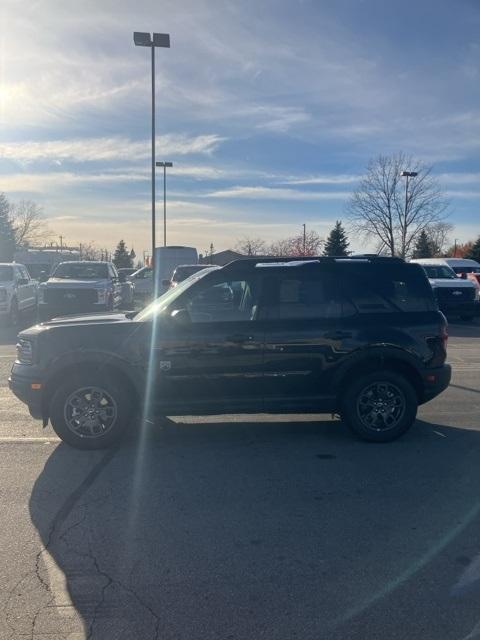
x,y
184,271
362,337
127,288
455,296
18,293
463,265
142,280
79,287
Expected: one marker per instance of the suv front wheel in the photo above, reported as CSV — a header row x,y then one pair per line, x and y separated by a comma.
x,y
380,407
90,411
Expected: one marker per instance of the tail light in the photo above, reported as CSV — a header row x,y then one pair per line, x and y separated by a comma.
x,y
444,336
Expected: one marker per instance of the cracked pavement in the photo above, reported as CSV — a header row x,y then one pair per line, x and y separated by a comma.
x,y
241,528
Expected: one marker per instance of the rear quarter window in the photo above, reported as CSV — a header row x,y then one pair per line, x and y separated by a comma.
x,y
385,288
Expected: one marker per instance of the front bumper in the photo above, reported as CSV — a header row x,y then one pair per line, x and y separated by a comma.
x,y
21,386
435,381
48,311
471,308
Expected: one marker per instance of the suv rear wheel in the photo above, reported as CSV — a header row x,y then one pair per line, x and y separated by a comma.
x,y
90,411
380,407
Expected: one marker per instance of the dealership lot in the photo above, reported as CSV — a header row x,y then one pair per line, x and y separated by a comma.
x,y
246,527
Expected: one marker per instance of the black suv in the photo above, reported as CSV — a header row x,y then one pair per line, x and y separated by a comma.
x,y
360,336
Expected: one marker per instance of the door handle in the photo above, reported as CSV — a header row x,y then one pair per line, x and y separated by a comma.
x,y
337,335
239,338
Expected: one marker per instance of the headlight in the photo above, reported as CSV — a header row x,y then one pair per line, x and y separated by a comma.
x,y
101,295
3,295
24,351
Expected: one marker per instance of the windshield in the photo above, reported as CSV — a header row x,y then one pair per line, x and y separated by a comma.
x,y
439,272
160,304
81,271
6,274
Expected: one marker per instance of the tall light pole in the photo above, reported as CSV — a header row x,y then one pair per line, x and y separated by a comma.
x,y
164,165
407,175
142,39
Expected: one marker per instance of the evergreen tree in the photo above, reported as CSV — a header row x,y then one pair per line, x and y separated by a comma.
x,y
474,252
122,257
337,242
423,246
7,235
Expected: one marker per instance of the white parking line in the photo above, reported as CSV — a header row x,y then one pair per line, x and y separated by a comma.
x,y
28,439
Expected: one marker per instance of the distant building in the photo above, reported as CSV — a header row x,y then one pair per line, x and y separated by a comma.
x,y
222,257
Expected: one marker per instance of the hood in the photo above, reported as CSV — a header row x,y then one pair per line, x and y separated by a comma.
x,y
451,284
90,318
75,284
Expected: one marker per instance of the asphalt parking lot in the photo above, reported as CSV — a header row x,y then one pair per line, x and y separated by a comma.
x,y
235,527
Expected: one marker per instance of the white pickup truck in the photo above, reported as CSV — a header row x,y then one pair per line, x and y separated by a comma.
x,y
18,293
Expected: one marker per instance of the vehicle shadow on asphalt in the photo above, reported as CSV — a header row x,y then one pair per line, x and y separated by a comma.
x,y
248,529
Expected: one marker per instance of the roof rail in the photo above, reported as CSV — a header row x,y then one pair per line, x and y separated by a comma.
x,y
254,260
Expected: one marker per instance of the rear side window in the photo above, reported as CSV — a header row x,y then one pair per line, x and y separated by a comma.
x,y
304,294
386,288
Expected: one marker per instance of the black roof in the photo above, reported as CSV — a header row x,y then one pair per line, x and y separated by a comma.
x,y
366,257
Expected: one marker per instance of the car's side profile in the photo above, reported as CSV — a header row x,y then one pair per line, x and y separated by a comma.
x,y
18,292
359,337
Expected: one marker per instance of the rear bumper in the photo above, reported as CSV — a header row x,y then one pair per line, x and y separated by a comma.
x,y
435,381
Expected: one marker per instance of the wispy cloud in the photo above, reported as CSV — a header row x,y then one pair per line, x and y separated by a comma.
x,y
272,193
114,148
325,179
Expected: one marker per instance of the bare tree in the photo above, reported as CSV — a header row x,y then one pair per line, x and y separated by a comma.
x,y
251,246
294,246
28,223
381,207
438,236
90,252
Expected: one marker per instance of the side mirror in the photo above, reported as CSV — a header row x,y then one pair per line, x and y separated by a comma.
x,y
181,317
166,283
122,277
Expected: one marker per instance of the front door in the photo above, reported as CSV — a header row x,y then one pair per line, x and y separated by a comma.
x,y
307,336
213,361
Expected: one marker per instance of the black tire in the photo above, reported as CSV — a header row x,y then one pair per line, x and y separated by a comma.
x,y
14,315
467,318
380,406
69,419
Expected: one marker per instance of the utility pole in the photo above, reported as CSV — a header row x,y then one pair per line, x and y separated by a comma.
x,y
304,239
61,243
455,248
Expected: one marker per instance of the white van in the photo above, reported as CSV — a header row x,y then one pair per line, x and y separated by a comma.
x,y
167,259
454,295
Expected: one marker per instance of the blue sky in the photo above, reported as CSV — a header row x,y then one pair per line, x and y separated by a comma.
x,y
270,111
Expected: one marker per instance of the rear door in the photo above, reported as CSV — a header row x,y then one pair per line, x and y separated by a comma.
x,y
307,334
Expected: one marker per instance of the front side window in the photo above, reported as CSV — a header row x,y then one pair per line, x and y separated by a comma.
x,y
225,301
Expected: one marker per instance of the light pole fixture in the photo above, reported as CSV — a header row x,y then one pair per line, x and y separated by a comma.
x,y
164,165
142,39
407,175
